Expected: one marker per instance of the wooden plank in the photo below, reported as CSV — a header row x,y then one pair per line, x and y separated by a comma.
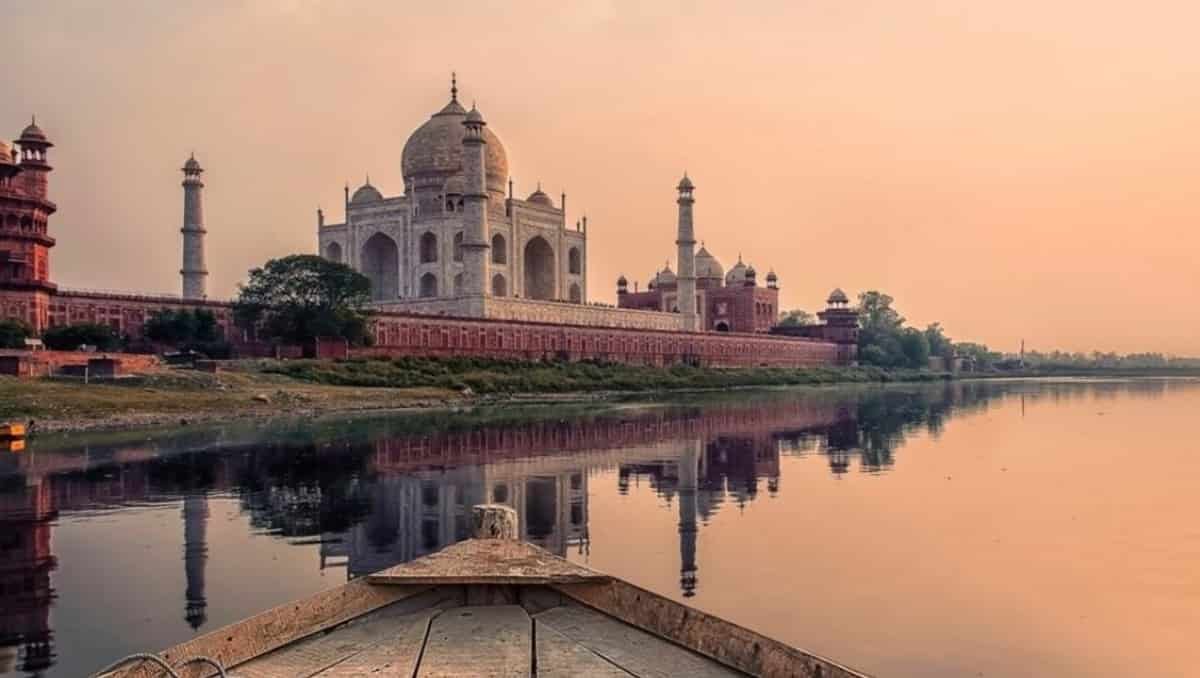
x,y
488,561
561,657
537,599
488,642
396,656
267,631
640,653
401,626
710,636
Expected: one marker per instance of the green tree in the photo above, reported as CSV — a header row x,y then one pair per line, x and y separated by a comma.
x,y
181,326
301,297
71,337
939,344
13,333
796,318
915,348
880,331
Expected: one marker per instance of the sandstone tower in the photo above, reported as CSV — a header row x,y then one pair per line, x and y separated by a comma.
x,y
686,241
194,274
475,243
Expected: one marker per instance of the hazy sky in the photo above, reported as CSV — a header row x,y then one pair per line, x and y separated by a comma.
x,y
1014,169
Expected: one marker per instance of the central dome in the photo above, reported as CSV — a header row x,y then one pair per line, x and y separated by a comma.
x,y
435,150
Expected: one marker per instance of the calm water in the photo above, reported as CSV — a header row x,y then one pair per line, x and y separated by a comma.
x,y
995,529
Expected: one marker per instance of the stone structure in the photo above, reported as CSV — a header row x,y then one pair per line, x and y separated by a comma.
x,y
705,297
193,272
27,293
839,326
454,235
457,269
25,209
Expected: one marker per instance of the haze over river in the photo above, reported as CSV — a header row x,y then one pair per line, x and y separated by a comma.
x,y
962,529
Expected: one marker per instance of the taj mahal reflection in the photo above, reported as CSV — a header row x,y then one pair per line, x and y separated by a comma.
x,y
391,492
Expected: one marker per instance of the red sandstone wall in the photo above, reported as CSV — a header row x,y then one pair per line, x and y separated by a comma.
x,y
52,360
397,335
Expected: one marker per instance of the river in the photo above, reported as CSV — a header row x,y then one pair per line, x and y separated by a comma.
x,y
989,528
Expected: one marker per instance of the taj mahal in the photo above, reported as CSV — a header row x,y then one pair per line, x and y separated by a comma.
x,y
457,265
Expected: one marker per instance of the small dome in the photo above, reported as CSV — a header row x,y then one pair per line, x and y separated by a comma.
x,y
707,265
622,282
34,134
750,272
474,115
737,274
685,184
771,275
666,276
192,165
366,193
540,198
837,296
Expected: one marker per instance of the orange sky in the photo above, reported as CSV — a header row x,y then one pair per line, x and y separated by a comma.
x,y
1016,169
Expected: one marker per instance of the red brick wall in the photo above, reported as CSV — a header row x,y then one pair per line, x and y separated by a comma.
x,y
399,335
53,360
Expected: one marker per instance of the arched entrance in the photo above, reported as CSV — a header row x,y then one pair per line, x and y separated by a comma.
x,y
429,286
721,326
539,269
333,252
381,265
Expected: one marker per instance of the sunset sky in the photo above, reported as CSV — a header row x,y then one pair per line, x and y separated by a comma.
x,y
1015,169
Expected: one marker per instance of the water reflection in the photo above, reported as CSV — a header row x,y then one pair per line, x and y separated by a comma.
x,y
372,493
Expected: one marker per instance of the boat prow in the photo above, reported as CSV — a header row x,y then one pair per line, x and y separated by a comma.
x,y
488,607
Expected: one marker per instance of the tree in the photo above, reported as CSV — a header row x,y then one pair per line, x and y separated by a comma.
x,y
181,326
915,348
71,337
13,333
796,318
939,344
876,313
301,297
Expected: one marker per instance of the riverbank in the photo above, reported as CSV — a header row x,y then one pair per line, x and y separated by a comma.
x,y
265,388
257,389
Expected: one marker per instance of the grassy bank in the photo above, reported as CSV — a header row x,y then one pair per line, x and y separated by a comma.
x,y
175,396
488,377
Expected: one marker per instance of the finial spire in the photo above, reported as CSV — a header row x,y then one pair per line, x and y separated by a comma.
x,y
453,86
33,118
368,178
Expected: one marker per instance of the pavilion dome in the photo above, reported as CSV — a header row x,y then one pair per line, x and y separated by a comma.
x,y
837,296
435,149
666,276
737,274
539,197
707,265
33,133
366,193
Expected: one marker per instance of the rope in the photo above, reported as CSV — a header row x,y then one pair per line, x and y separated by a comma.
x,y
155,659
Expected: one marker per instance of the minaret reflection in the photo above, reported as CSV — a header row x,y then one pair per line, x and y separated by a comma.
x,y
195,557
689,474
26,560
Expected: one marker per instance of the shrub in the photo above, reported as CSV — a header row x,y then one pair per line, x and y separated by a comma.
x,y
13,333
71,337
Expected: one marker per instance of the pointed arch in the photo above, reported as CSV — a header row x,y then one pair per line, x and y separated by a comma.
x,y
333,252
429,286
499,249
428,249
539,269
499,286
576,294
381,264
574,261
458,243
458,284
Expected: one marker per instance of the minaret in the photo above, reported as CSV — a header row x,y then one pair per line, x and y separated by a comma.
x,y
475,209
194,274
689,472
686,241
195,557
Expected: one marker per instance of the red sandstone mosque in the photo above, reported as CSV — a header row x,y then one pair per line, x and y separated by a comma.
x,y
458,266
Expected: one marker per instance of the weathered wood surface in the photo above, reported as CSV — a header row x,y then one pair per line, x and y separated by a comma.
x,y
711,636
276,627
642,654
561,657
392,637
480,642
494,521
487,561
